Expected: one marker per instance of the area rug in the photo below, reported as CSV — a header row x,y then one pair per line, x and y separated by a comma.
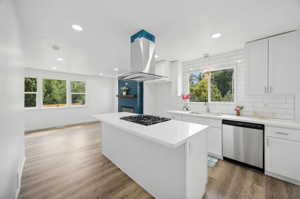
x,y
212,161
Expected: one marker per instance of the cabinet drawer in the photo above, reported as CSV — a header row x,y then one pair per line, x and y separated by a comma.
x,y
289,134
204,121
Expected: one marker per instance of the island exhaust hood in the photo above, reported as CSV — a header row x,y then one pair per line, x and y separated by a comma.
x,y
142,52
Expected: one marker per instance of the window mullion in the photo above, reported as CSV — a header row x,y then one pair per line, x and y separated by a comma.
x,y
40,92
209,88
69,94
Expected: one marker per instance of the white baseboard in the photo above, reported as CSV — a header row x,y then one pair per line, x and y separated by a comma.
x,y
283,178
20,173
31,130
216,156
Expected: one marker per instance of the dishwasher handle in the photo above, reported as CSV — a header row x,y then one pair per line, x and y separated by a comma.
x,y
244,124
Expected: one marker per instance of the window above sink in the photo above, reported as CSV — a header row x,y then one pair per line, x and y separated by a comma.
x,y
216,86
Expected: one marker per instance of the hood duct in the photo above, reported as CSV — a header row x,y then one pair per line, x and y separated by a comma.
x,y
142,54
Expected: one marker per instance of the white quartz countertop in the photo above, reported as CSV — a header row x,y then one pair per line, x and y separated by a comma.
x,y
172,133
267,122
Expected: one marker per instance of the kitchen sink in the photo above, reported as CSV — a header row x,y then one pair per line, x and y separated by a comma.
x,y
205,114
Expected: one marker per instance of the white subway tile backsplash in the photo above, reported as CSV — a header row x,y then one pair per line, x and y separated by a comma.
x,y
279,107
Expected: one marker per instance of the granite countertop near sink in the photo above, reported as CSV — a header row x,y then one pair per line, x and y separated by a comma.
x,y
265,121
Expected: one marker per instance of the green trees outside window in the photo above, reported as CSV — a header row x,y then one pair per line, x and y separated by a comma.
x,y
30,92
54,93
222,86
198,87
78,92
214,86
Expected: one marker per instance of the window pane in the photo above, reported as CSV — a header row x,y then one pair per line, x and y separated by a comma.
x,y
77,87
30,100
30,85
198,86
78,99
222,86
54,92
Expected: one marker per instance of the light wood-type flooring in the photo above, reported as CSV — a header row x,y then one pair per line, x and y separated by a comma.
x,y
67,164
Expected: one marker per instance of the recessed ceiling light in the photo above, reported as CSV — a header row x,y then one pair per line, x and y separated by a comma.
x,y
77,27
216,35
116,69
239,61
59,59
54,68
100,74
156,56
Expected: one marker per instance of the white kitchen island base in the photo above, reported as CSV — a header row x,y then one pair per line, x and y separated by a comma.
x,y
165,172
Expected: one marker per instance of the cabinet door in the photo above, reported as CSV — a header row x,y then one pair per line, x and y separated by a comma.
x,y
257,67
214,134
163,68
282,157
284,63
214,142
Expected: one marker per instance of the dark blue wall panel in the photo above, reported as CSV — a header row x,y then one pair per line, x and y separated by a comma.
x,y
135,88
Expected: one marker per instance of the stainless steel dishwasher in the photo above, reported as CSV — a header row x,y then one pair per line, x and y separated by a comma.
x,y
243,143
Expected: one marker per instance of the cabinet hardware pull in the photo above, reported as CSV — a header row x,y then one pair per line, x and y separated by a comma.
x,y
282,133
271,89
265,89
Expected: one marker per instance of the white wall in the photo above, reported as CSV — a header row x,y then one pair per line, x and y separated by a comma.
x,y
99,99
11,101
159,98
297,107
281,107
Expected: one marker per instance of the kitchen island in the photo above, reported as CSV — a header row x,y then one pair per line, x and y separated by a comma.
x,y
168,159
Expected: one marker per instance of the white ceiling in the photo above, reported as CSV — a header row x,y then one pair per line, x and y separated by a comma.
x,y
183,29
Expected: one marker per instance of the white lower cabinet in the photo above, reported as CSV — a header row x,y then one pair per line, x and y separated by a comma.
x,y
214,140
214,132
282,158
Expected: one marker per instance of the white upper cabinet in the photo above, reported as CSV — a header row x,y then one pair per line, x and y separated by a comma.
x,y
163,68
273,65
284,61
172,72
176,78
257,61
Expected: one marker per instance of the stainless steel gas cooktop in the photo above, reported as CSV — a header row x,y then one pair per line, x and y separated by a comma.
x,y
145,119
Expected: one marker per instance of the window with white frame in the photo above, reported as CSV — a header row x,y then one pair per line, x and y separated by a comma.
x,y
54,93
212,86
78,93
30,92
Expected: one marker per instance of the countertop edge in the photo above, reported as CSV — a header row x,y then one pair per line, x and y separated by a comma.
x,y
157,141
266,122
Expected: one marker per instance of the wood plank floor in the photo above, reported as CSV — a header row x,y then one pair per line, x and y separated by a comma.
x,y
68,164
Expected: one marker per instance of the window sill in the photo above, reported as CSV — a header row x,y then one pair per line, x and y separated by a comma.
x,y
30,108
214,103
78,106
55,108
